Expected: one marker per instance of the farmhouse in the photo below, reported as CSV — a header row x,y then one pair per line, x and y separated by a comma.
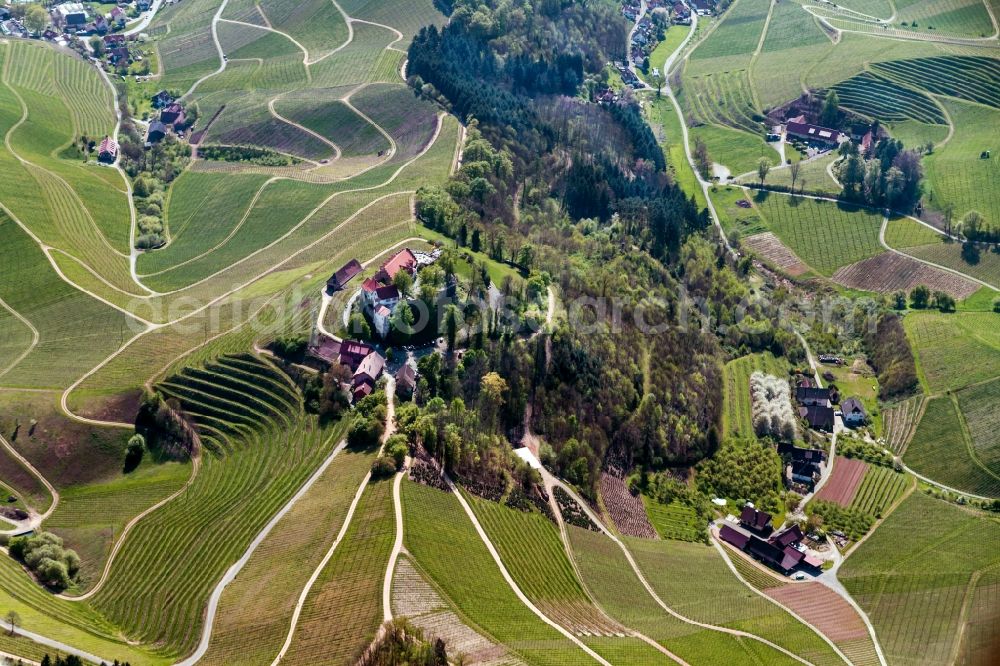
x,y
754,520
118,17
353,352
402,260
818,417
344,274
107,152
813,396
72,15
406,380
782,552
4,13
172,114
113,41
324,349
157,130
703,7
367,374
118,54
812,133
853,412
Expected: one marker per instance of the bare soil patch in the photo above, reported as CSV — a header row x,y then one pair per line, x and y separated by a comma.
x,y
627,511
889,272
769,247
847,476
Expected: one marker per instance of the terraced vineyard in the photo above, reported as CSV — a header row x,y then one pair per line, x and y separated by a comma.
x,y
878,97
899,422
700,586
973,78
439,534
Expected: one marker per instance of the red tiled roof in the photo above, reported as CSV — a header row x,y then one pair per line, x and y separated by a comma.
x,y
402,259
108,145
370,285
814,132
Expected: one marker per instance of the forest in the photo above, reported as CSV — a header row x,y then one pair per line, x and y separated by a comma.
x,y
557,185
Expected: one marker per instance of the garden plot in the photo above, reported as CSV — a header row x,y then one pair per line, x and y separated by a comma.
x,y
844,483
880,489
889,272
769,247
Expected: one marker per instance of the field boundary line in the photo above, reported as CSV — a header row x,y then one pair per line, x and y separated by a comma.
x,y
513,584
348,519
41,477
301,222
735,572
397,547
229,237
567,547
270,28
270,107
195,466
34,337
218,48
649,588
350,35
392,44
234,570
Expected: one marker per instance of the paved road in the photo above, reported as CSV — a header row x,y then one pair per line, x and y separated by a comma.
x,y
35,519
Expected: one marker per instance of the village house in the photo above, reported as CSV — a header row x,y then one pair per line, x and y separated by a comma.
x,y
107,151
818,417
162,99
142,5
352,352
119,55
853,412
172,114
703,7
406,380
804,468
367,375
157,130
114,41
755,520
325,350
402,260
813,396
4,13
344,274
119,17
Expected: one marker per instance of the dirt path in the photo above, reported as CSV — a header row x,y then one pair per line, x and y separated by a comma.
x,y
513,585
195,466
231,573
390,392
649,588
34,337
35,519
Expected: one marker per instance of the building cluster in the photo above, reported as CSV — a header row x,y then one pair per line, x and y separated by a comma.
x,y
803,467
364,362
782,551
816,407
379,295
170,118
77,18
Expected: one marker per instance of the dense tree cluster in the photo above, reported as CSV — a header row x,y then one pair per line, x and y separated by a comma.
x,y
43,553
888,176
400,643
889,353
743,469
251,154
165,428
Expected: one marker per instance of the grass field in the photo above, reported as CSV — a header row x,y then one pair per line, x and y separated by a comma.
x,y
813,175
824,234
941,449
902,233
979,407
964,18
953,350
733,39
879,489
737,413
955,174
913,575
438,535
